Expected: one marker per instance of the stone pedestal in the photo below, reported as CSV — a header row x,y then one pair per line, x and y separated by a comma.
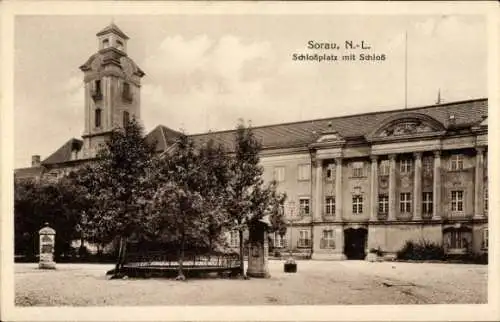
x,y
47,243
258,256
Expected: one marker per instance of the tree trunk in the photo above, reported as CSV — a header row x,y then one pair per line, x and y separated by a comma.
x,y
82,246
242,256
181,259
121,254
117,266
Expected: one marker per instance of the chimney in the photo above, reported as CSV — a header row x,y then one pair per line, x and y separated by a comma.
x,y
35,160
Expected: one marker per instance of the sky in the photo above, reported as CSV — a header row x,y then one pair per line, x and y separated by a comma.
x,y
204,72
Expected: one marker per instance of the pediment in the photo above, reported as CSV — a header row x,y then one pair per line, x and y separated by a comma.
x,y
484,122
330,136
408,125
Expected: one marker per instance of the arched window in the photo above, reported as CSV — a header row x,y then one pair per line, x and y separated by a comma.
x,y
97,119
126,118
105,43
119,45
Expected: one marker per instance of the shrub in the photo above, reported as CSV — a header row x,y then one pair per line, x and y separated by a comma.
x,y
376,251
421,250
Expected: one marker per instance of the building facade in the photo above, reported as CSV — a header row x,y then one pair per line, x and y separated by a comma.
x,y
353,183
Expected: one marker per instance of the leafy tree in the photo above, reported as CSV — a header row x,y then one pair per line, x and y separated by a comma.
x,y
35,203
215,177
178,201
249,200
118,184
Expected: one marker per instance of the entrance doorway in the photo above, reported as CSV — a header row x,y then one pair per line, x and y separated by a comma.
x,y
355,243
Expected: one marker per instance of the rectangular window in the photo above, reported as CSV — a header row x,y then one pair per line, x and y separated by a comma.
x,y
328,240
304,171
126,118
279,174
384,168
357,205
98,92
405,202
97,120
127,94
457,240
234,239
484,244
456,162
486,198
457,200
383,204
405,166
277,240
357,169
304,206
304,240
330,172
330,205
427,202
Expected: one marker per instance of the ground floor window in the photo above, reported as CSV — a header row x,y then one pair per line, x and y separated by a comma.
x,y
304,238
328,239
458,239
234,239
278,240
484,244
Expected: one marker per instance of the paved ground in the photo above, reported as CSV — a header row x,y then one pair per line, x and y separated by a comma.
x,y
316,282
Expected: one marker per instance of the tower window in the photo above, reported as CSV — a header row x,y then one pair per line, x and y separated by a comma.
x,y
97,90
119,45
105,43
127,94
97,117
126,118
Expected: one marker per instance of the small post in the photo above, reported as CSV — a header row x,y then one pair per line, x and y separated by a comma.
x,y
47,243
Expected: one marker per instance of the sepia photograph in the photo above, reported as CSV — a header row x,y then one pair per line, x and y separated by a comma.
x,y
238,157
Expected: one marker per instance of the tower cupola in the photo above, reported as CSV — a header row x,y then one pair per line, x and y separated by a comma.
x,y
112,37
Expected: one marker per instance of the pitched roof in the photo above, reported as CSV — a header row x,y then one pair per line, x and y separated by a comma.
x,y
63,154
302,133
112,28
163,136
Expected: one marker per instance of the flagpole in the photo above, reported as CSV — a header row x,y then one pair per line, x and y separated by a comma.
x,y
406,69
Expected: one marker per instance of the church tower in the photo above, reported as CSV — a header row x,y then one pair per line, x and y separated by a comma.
x,y
112,89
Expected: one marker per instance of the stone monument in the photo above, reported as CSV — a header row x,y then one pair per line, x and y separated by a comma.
x,y
47,243
258,255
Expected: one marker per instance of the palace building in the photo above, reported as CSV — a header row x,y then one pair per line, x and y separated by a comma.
x,y
354,183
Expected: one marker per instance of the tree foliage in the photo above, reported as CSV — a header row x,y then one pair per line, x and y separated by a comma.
x,y
36,203
249,199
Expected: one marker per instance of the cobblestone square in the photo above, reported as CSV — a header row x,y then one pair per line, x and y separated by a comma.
x,y
316,282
